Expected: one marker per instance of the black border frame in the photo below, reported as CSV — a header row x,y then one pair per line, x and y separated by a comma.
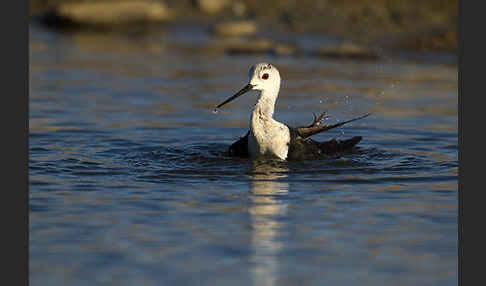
x,y
470,205
15,144
460,144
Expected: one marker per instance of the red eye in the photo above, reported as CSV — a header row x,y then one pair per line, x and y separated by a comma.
x,y
265,76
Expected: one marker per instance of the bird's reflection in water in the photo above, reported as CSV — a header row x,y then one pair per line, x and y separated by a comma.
x,y
265,210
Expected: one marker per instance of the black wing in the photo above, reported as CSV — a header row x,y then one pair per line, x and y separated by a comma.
x,y
240,147
307,149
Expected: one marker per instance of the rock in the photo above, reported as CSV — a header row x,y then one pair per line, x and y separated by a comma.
x,y
239,8
112,12
248,47
212,6
347,50
285,49
236,28
259,46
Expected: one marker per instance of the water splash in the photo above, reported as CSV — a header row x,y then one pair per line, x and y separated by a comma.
x,y
341,134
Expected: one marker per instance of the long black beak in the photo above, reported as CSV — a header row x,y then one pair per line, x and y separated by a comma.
x,y
245,89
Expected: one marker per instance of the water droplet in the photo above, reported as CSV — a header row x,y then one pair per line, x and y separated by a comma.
x,y
320,100
215,111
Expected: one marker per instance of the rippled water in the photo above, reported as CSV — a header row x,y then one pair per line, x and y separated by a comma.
x,y
129,184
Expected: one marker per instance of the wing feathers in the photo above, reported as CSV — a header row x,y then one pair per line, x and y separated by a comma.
x,y
316,127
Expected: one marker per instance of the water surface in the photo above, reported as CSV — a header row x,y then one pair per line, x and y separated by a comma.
x,y
129,184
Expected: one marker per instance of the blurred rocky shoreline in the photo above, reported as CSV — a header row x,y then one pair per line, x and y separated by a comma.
x,y
362,27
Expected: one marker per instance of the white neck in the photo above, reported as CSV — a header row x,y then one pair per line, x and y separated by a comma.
x,y
265,105
267,136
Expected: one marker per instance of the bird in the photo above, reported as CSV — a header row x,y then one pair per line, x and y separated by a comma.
x,y
268,138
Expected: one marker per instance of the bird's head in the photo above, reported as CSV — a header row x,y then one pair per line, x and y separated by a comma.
x,y
262,77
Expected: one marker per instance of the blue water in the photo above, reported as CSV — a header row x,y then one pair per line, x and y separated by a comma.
x,y
129,184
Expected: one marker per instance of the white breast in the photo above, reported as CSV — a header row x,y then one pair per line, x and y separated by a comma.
x,y
268,137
